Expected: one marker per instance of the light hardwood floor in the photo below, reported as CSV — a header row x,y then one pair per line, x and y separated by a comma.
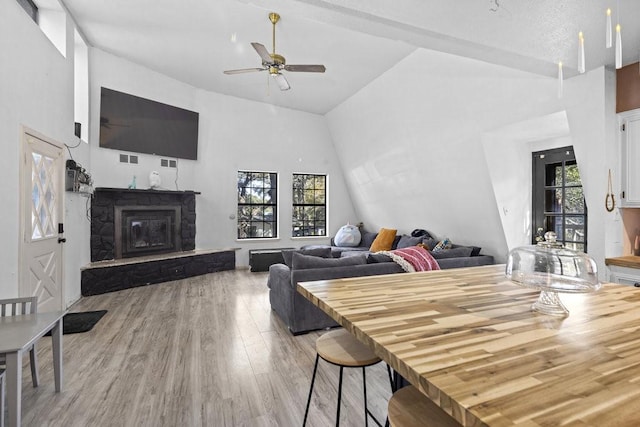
x,y
204,351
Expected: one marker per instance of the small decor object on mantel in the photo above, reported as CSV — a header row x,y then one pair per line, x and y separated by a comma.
x,y
132,185
551,268
154,180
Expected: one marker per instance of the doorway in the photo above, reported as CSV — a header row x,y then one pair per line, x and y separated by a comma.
x,y
41,213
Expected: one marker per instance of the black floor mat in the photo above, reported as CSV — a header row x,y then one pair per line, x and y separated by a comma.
x,y
74,323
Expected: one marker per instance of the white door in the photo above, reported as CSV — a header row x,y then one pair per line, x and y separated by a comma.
x,y
41,252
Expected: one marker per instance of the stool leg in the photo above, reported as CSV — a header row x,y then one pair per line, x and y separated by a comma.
x,y
364,388
313,379
339,397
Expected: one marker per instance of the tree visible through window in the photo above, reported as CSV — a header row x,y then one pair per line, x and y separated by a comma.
x,y
257,205
309,205
558,199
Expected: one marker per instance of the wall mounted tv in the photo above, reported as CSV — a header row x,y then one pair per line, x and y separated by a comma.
x,y
131,123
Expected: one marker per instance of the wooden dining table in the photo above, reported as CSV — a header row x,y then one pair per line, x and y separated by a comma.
x,y
17,335
468,339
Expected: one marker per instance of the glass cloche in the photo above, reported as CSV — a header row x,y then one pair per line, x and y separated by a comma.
x,y
551,268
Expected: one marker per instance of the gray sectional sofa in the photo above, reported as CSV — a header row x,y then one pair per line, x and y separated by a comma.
x,y
320,262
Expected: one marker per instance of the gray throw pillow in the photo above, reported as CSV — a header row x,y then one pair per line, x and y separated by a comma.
x,y
303,262
287,254
429,242
408,241
367,239
461,251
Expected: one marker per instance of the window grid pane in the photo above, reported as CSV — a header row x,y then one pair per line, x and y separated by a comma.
x,y
257,205
559,201
309,205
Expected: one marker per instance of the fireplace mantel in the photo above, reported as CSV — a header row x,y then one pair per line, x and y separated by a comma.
x,y
148,190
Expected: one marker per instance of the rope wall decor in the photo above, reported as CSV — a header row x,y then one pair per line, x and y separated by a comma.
x,y
610,201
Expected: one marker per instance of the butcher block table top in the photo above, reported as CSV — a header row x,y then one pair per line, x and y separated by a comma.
x,y
468,339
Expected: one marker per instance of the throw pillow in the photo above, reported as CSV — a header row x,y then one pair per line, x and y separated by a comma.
x,y
442,244
347,236
384,240
406,241
461,251
287,255
367,239
303,262
429,242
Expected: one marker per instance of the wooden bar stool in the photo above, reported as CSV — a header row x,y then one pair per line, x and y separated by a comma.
x,y
409,407
341,348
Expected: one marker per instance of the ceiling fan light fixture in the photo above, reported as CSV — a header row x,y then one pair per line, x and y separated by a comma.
x,y
618,47
281,80
609,31
581,64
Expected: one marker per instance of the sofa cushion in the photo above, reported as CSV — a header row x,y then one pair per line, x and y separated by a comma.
x,y
323,252
475,250
384,240
367,239
378,258
302,262
407,241
460,251
429,242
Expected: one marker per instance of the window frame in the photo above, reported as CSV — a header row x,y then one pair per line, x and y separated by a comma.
x,y
541,218
273,205
30,8
324,206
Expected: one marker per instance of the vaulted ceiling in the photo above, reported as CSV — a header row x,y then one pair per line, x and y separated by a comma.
x,y
194,41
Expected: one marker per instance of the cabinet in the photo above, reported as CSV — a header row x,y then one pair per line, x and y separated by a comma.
x,y
624,276
630,159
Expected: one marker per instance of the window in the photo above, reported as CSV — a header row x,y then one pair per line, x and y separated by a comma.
x,y
558,199
309,205
257,205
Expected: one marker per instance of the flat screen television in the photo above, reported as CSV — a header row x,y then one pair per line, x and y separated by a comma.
x,y
131,123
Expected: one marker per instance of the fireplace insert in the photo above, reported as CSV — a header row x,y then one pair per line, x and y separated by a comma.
x,y
143,230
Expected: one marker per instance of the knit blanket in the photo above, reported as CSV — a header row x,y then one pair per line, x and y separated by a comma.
x,y
413,258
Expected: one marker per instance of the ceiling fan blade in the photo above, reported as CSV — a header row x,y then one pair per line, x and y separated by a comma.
x,y
306,68
282,82
263,52
244,70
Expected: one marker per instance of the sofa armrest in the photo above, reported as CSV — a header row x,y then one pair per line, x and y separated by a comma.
x,y
279,274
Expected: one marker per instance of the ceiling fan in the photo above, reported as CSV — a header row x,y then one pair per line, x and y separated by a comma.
x,y
275,63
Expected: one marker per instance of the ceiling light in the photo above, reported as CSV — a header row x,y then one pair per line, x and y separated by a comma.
x,y
581,67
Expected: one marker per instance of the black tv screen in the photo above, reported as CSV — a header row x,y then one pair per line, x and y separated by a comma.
x,y
131,123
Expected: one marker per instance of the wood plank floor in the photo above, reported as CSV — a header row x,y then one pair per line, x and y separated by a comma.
x,y
204,351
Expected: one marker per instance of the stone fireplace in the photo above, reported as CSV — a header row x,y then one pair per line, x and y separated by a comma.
x,y
131,223
141,237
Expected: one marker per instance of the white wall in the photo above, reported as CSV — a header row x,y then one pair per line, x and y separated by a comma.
x,y
410,144
234,134
36,90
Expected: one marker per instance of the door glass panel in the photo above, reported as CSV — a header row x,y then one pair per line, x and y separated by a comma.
x,y
572,174
43,206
